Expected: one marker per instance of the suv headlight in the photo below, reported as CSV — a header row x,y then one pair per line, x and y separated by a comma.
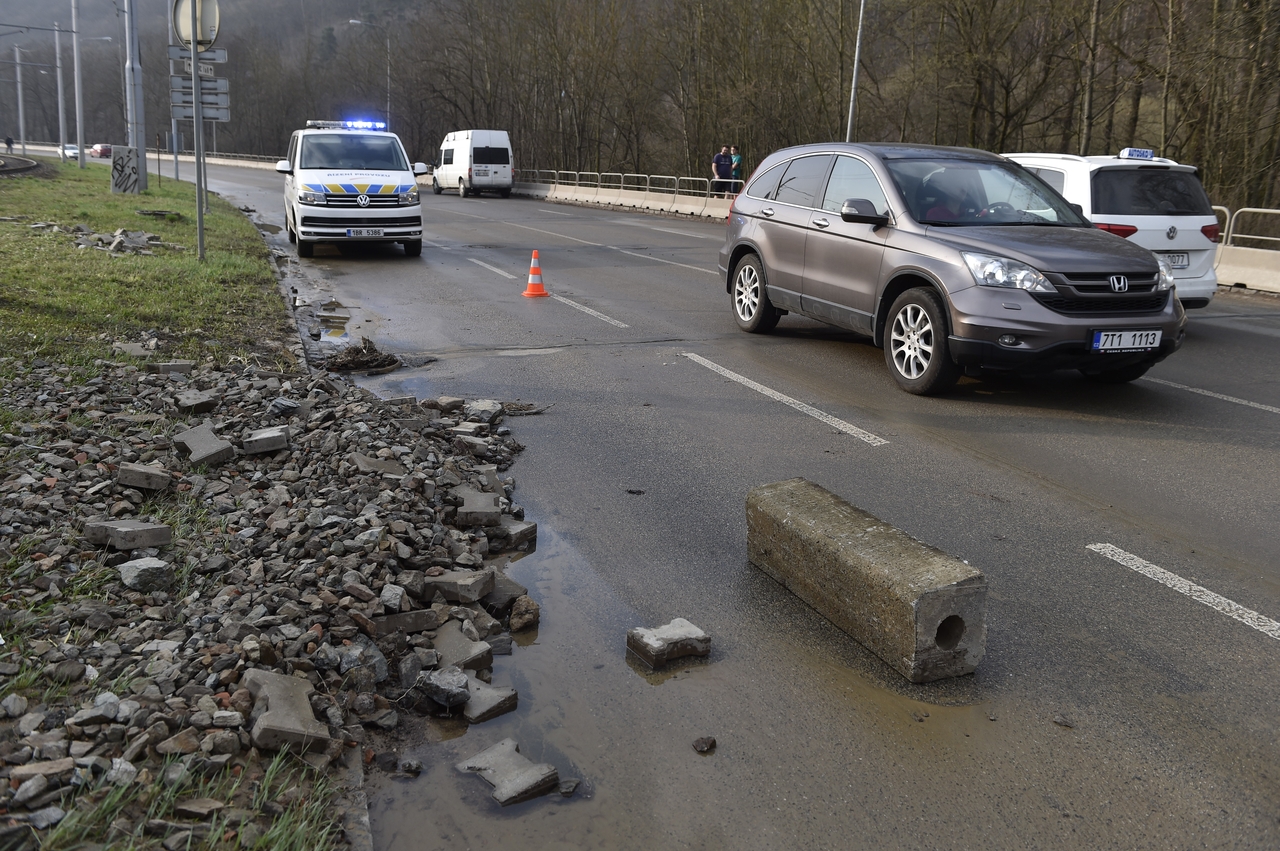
x,y
410,197
1166,274
991,271
306,196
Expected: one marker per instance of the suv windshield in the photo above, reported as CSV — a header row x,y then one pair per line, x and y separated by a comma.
x,y
351,151
1149,192
955,192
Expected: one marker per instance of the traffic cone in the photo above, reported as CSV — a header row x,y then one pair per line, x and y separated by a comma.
x,y
535,289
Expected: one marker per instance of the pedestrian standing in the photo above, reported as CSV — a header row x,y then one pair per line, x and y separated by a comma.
x,y
736,174
721,171
8,144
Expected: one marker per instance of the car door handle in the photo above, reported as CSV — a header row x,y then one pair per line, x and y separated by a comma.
x,y
821,223
767,212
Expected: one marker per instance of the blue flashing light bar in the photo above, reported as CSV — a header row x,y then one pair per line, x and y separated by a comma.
x,y
1137,154
348,125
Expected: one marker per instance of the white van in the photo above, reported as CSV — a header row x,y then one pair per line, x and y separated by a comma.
x,y
474,161
350,181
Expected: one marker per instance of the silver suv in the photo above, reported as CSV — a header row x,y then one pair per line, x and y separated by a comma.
x,y
951,259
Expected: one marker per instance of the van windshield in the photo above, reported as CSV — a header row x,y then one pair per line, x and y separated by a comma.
x,y
957,193
492,156
352,151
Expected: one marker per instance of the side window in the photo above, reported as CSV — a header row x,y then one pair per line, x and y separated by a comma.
x,y
293,149
1053,177
852,178
446,156
766,184
801,182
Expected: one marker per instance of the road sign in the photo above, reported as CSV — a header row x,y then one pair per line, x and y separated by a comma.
x,y
206,68
207,15
208,113
216,54
207,84
207,99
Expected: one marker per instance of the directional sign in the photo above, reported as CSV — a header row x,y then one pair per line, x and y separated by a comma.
x,y
206,68
217,54
207,84
207,21
208,113
207,99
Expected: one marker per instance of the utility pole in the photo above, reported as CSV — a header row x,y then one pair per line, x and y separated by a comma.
x,y
62,107
853,90
22,115
197,129
75,47
173,122
133,74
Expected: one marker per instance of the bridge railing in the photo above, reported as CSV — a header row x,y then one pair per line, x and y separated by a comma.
x,y
668,193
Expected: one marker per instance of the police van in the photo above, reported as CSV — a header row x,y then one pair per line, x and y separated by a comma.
x,y
474,161
350,181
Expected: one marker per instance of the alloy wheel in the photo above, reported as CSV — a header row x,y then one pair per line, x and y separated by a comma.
x,y
911,341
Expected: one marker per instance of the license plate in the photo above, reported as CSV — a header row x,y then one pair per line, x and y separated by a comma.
x,y
1125,341
357,233
482,172
1177,261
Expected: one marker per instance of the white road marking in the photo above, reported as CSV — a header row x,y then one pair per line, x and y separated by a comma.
x,y
1269,408
1231,609
597,314
660,260
492,268
684,233
551,233
834,422
555,212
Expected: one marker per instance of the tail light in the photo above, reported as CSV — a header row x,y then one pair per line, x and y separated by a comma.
x,y
1213,233
1125,231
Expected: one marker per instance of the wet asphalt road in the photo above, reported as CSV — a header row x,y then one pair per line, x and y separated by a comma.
x,y
1172,740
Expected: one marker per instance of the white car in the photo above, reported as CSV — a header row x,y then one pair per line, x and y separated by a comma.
x,y
474,161
71,152
1149,200
350,181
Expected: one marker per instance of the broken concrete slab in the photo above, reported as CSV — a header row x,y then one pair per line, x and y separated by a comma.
x,y
401,400
166,367
459,586
128,534
485,410
513,777
919,609
266,440
487,701
519,531
366,464
478,509
196,402
449,404
674,640
146,574
470,429
132,475
203,446
456,649
288,720
505,591
447,686
409,623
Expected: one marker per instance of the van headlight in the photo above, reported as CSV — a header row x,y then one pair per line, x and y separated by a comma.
x,y
410,197
306,196
1166,274
991,271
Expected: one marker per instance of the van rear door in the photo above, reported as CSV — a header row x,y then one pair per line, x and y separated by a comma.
x,y
491,159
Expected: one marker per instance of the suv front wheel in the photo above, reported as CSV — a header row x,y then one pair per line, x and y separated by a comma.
x,y
915,343
752,309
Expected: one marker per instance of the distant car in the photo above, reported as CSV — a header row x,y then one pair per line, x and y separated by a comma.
x,y
70,151
1151,201
100,150
953,260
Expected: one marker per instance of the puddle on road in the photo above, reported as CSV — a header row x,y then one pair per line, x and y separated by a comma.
x,y
268,228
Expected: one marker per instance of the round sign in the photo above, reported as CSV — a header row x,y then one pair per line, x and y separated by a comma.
x,y
206,23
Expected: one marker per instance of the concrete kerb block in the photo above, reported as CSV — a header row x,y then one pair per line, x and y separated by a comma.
x,y
203,446
458,586
917,608
196,402
456,649
513,777
271,439
128,534
166,367
487,701
132,475
288,720
478,509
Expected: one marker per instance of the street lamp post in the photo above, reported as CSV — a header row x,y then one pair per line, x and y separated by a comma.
x,y
386,30
62,104
75,43
853,89
22,115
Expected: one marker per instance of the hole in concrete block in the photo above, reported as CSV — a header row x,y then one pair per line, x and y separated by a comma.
x,y
949,633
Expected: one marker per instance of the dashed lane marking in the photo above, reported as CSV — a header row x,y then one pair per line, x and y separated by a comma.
x,y
553,212
1268,408
660,260
821,416
1196,592
551,233
597,314
492,268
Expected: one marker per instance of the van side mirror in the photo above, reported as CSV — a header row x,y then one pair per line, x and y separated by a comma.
x,y
283,167
419,168
862,211
1079,210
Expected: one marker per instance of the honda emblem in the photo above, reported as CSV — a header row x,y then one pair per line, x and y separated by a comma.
x,y
1119,284
1171,232
362,200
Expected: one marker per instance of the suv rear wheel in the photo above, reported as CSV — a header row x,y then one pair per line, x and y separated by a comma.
x,y
915,345
435,186
752,309
462,189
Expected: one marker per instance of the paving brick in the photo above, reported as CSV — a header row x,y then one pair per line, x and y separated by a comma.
x,y
478,509
519,531
919,609
459,586
288,719
196,401
456,649
487,701
204,447
128,534
366,464
409,623
513,777
402,400
669,641
470,429
266,440
132,475
166,367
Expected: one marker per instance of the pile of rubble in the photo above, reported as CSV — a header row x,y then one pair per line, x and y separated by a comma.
x,y
119,242
211,564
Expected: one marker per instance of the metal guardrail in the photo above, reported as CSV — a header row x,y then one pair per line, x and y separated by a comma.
x,y
664,184
1233,220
